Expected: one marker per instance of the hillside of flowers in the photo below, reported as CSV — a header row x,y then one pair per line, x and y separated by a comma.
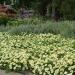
x,y
43,54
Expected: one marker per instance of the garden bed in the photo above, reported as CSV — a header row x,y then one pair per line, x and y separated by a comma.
x,y
43,54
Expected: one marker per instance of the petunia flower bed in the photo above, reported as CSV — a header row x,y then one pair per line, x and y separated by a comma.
x,y
43,54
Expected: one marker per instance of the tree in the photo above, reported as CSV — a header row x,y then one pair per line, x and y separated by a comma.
x,y
47,7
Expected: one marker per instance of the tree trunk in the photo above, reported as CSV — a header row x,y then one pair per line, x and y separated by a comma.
x,y
48,10
53,9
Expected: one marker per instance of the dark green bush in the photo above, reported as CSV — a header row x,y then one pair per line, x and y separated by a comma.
x,y
4,20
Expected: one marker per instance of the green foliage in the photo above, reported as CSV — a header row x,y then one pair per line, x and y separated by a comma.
x,y
65,28
65,7
68,9
5,29
3,20
32,21
43,54
37,26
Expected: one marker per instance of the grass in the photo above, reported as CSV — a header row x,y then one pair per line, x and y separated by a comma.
x,y
65,28
37,26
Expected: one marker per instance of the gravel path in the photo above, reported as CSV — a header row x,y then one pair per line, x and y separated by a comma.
x,y
2,72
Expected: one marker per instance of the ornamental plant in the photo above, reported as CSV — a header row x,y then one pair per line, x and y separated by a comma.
x,y
43,54
3,19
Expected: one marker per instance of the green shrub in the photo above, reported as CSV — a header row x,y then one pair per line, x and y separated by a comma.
x,y
4,20
31,21
43,54
15,22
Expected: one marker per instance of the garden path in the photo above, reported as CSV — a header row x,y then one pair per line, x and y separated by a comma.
x,y
2,72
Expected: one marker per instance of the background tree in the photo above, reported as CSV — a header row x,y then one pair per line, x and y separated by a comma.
x,y
46,7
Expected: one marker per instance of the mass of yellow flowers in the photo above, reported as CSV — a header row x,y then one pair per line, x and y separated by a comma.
x,y
43,54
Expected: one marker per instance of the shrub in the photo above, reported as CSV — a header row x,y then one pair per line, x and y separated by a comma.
x,y
3,19
43,54
25,21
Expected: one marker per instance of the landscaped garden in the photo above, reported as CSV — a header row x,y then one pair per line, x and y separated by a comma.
x,y
40,46
42,54
37,37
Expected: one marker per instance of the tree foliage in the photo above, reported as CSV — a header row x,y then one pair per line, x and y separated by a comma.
x,y
44,7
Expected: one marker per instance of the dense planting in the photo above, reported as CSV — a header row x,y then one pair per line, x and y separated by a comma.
x,y
43,54
39,25
25,21
65,28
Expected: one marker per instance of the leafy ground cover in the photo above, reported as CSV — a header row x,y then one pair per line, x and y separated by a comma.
x,y
43,54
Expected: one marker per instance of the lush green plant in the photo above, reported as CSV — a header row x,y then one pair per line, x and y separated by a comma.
x,y
31,21
43,54
5,28
66,28
37,25
3,20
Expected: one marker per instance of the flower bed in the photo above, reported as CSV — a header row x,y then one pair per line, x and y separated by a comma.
x,y
43,54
